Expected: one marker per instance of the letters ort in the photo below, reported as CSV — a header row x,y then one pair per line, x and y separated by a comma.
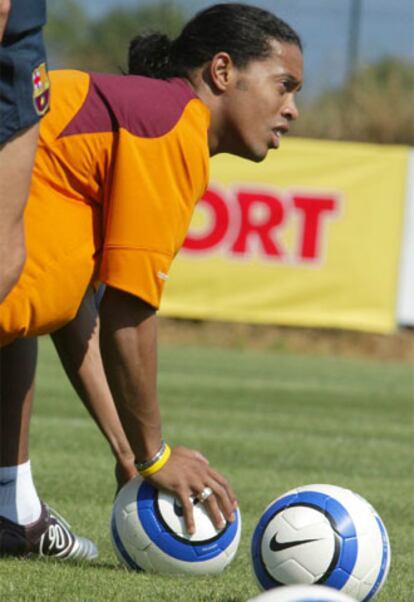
x,y
252,220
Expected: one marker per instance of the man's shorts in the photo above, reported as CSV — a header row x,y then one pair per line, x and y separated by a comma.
x,y
24,83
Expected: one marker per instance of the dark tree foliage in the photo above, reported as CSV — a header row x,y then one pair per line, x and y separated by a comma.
x,y
376,105
101,44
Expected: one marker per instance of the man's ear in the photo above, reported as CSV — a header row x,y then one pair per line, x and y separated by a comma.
x,y
221,70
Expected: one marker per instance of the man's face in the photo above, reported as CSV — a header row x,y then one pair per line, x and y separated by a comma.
x,y
260,103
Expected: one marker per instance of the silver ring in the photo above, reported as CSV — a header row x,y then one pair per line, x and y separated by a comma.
x,y
203,495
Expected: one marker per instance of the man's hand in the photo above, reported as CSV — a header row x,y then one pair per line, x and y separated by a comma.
x,y
125,470
186,474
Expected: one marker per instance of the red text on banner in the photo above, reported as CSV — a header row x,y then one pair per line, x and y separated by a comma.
x,y
252,220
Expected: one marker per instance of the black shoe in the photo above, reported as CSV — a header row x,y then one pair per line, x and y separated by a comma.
x,y
50,536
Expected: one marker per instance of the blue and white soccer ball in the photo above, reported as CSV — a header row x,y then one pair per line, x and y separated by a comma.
x,y
303,593
322,534
148,533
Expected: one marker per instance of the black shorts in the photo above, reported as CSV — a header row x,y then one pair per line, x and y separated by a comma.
x,y
24,83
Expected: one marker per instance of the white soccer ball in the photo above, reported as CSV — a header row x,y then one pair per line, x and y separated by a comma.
x,y
302,593
148,533
322,534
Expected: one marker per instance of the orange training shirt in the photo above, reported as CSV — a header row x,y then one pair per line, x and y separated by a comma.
x,y
121,162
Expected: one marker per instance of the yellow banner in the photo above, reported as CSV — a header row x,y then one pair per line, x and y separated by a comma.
x,y
309,237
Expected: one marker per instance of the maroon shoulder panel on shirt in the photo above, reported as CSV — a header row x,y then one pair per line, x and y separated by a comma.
x,y
144,106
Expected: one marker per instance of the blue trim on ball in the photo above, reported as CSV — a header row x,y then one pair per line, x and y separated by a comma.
x,y
338,573
172,544
384,560
264,578
130,562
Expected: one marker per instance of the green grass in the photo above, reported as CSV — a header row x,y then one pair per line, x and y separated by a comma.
x,y
268,422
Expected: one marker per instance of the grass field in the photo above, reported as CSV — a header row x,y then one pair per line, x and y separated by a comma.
x,y
267,421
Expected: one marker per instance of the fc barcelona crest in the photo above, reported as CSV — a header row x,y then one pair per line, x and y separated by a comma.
x,y
41,89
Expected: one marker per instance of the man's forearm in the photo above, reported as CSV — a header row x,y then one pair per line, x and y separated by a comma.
x,y
77,344
129,351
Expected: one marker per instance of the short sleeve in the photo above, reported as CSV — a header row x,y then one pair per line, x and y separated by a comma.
x,y
153,188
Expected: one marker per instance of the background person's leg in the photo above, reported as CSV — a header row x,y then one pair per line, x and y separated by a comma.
x,y
24,100
16,164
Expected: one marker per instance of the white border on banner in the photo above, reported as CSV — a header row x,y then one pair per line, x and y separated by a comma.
x,y
405,303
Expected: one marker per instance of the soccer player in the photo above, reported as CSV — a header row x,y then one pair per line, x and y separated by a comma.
x,y
24,99
122,160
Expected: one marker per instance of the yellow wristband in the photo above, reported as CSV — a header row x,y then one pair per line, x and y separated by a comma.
x,y
146,472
